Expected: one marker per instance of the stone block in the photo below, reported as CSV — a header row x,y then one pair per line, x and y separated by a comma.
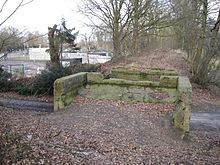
x,y
168,81
123,73
94,77
136,75
66,88
184,84
181,116
100,91
162,72
138,97
123,82
127,97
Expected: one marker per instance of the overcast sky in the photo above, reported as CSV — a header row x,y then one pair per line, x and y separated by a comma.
x,y
40,14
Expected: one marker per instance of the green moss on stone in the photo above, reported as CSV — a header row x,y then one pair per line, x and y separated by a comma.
x,y
125,93
184,84
67,98
124,82
138,97
127,75
65,89
94,77
181,116
105,91
127,97
172,95
136,75
168,81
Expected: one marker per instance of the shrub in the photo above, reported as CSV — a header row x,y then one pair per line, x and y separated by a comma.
x,y
24,86
9,83
85,68
44,82
6,83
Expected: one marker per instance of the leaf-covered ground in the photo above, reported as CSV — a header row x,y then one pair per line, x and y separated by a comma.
x,y
109,132
102,132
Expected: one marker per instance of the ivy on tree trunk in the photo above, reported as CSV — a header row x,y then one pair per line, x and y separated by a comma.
x,y
53,45
57,37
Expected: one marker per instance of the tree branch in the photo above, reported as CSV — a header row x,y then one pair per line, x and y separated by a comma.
x,y
3,6
12,13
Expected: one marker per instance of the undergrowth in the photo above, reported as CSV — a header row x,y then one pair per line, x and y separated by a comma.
x,y
43,83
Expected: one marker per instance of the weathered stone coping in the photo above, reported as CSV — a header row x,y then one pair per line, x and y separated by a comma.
x,y
129,90
165,81
134,74
158,71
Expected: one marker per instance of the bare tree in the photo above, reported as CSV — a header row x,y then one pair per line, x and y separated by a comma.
x,y
129,22
9,35
206,51
148,18
198,35
10,38
35,39
114,15
103,39
4,4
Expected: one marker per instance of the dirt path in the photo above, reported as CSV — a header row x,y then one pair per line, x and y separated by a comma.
x,y
205,116
19,104
204,107
106,132
205,121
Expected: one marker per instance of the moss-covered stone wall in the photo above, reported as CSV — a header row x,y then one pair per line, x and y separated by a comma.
x,y
129,73
130,93
130,85
66,88
163,91
181,116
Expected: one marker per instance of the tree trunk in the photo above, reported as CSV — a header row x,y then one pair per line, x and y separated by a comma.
x,y
199,70
116,42
203,65
135,36
116,31
53,45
